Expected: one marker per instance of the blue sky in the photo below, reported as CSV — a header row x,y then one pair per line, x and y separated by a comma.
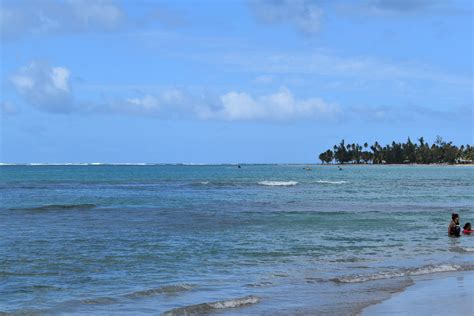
x,y
229,81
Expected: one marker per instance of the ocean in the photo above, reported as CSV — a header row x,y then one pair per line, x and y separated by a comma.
x,y
218,239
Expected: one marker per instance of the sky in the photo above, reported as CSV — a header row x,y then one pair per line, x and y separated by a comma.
x,y
210,81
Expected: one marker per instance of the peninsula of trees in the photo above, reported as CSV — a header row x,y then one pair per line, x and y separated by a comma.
x,y
400,153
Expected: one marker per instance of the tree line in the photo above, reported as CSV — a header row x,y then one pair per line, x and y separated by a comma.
x,y
399,153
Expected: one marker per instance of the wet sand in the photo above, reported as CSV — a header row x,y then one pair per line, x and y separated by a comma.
x,y
443,294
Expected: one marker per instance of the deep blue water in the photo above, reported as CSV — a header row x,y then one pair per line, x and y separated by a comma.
x,y
149,239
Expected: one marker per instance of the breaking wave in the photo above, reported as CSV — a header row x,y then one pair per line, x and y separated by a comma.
x,y
403,273
213,306
278,183
330,182
462,249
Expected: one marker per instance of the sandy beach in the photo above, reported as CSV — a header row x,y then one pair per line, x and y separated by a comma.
x,y
443,294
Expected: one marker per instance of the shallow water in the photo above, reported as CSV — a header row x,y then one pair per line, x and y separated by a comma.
x,y
150,239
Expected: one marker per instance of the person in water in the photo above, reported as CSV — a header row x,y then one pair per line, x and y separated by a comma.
x,y
467,229
454,230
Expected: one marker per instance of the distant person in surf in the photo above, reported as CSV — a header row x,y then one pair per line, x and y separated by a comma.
x,y
454,230
467,229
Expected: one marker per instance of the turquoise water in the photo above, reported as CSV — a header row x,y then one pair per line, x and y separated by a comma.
x,y
263,239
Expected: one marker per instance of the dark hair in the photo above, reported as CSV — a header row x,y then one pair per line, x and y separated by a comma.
x,y
467,226
454,216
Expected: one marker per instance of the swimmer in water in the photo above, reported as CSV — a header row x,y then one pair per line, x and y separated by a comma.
x,y
454,230
467,229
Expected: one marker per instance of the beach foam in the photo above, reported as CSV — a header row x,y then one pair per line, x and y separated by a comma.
x,y
278,183
402,273
213,306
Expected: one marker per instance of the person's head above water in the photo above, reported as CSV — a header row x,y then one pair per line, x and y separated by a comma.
x,y
453,229
467,226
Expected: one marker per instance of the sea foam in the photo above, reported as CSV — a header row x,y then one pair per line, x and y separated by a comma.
x,y
403,273
330,182
278,183
205,308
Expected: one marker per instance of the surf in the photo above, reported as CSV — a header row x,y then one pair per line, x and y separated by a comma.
x,y
204,308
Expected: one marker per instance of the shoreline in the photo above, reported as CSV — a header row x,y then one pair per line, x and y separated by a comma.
x,y
399,164
430,295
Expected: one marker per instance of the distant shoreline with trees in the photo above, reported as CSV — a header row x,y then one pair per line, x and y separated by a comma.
x,y
440,152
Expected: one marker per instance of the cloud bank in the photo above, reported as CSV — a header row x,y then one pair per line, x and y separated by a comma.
x,y
306,16
231,106
48,89
20,18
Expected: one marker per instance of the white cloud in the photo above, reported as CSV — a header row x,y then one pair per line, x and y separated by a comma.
x,y
60,78
279,106
304,15
143,105
167,103
47,88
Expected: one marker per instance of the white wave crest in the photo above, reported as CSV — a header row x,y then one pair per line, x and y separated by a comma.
x,y
330,182
278,183
206,308
236,302
204,182
401,273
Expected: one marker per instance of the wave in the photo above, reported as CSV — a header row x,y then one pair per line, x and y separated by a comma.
x,y
330,182
56,207
403,273
462,249
168,289
278,183
213,306
99,301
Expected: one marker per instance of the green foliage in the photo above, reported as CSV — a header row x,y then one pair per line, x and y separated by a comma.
x,y
399,153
